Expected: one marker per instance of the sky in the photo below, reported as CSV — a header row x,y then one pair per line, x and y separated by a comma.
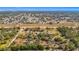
x,y
40,3
39,8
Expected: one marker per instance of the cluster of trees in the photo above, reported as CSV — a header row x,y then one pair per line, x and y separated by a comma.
x,y
72,37
43,40
26,47
6,34
67,40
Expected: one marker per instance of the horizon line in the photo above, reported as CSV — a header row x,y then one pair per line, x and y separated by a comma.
x,y
39,8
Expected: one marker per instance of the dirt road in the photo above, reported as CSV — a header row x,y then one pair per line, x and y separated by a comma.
x,y
15,37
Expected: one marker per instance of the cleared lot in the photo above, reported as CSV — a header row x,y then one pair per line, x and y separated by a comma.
x,y
54,25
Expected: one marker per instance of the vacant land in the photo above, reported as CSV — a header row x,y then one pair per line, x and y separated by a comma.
x,y
59,36
54,25
45,31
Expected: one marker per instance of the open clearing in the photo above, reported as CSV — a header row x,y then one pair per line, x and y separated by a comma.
x,y
54,25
